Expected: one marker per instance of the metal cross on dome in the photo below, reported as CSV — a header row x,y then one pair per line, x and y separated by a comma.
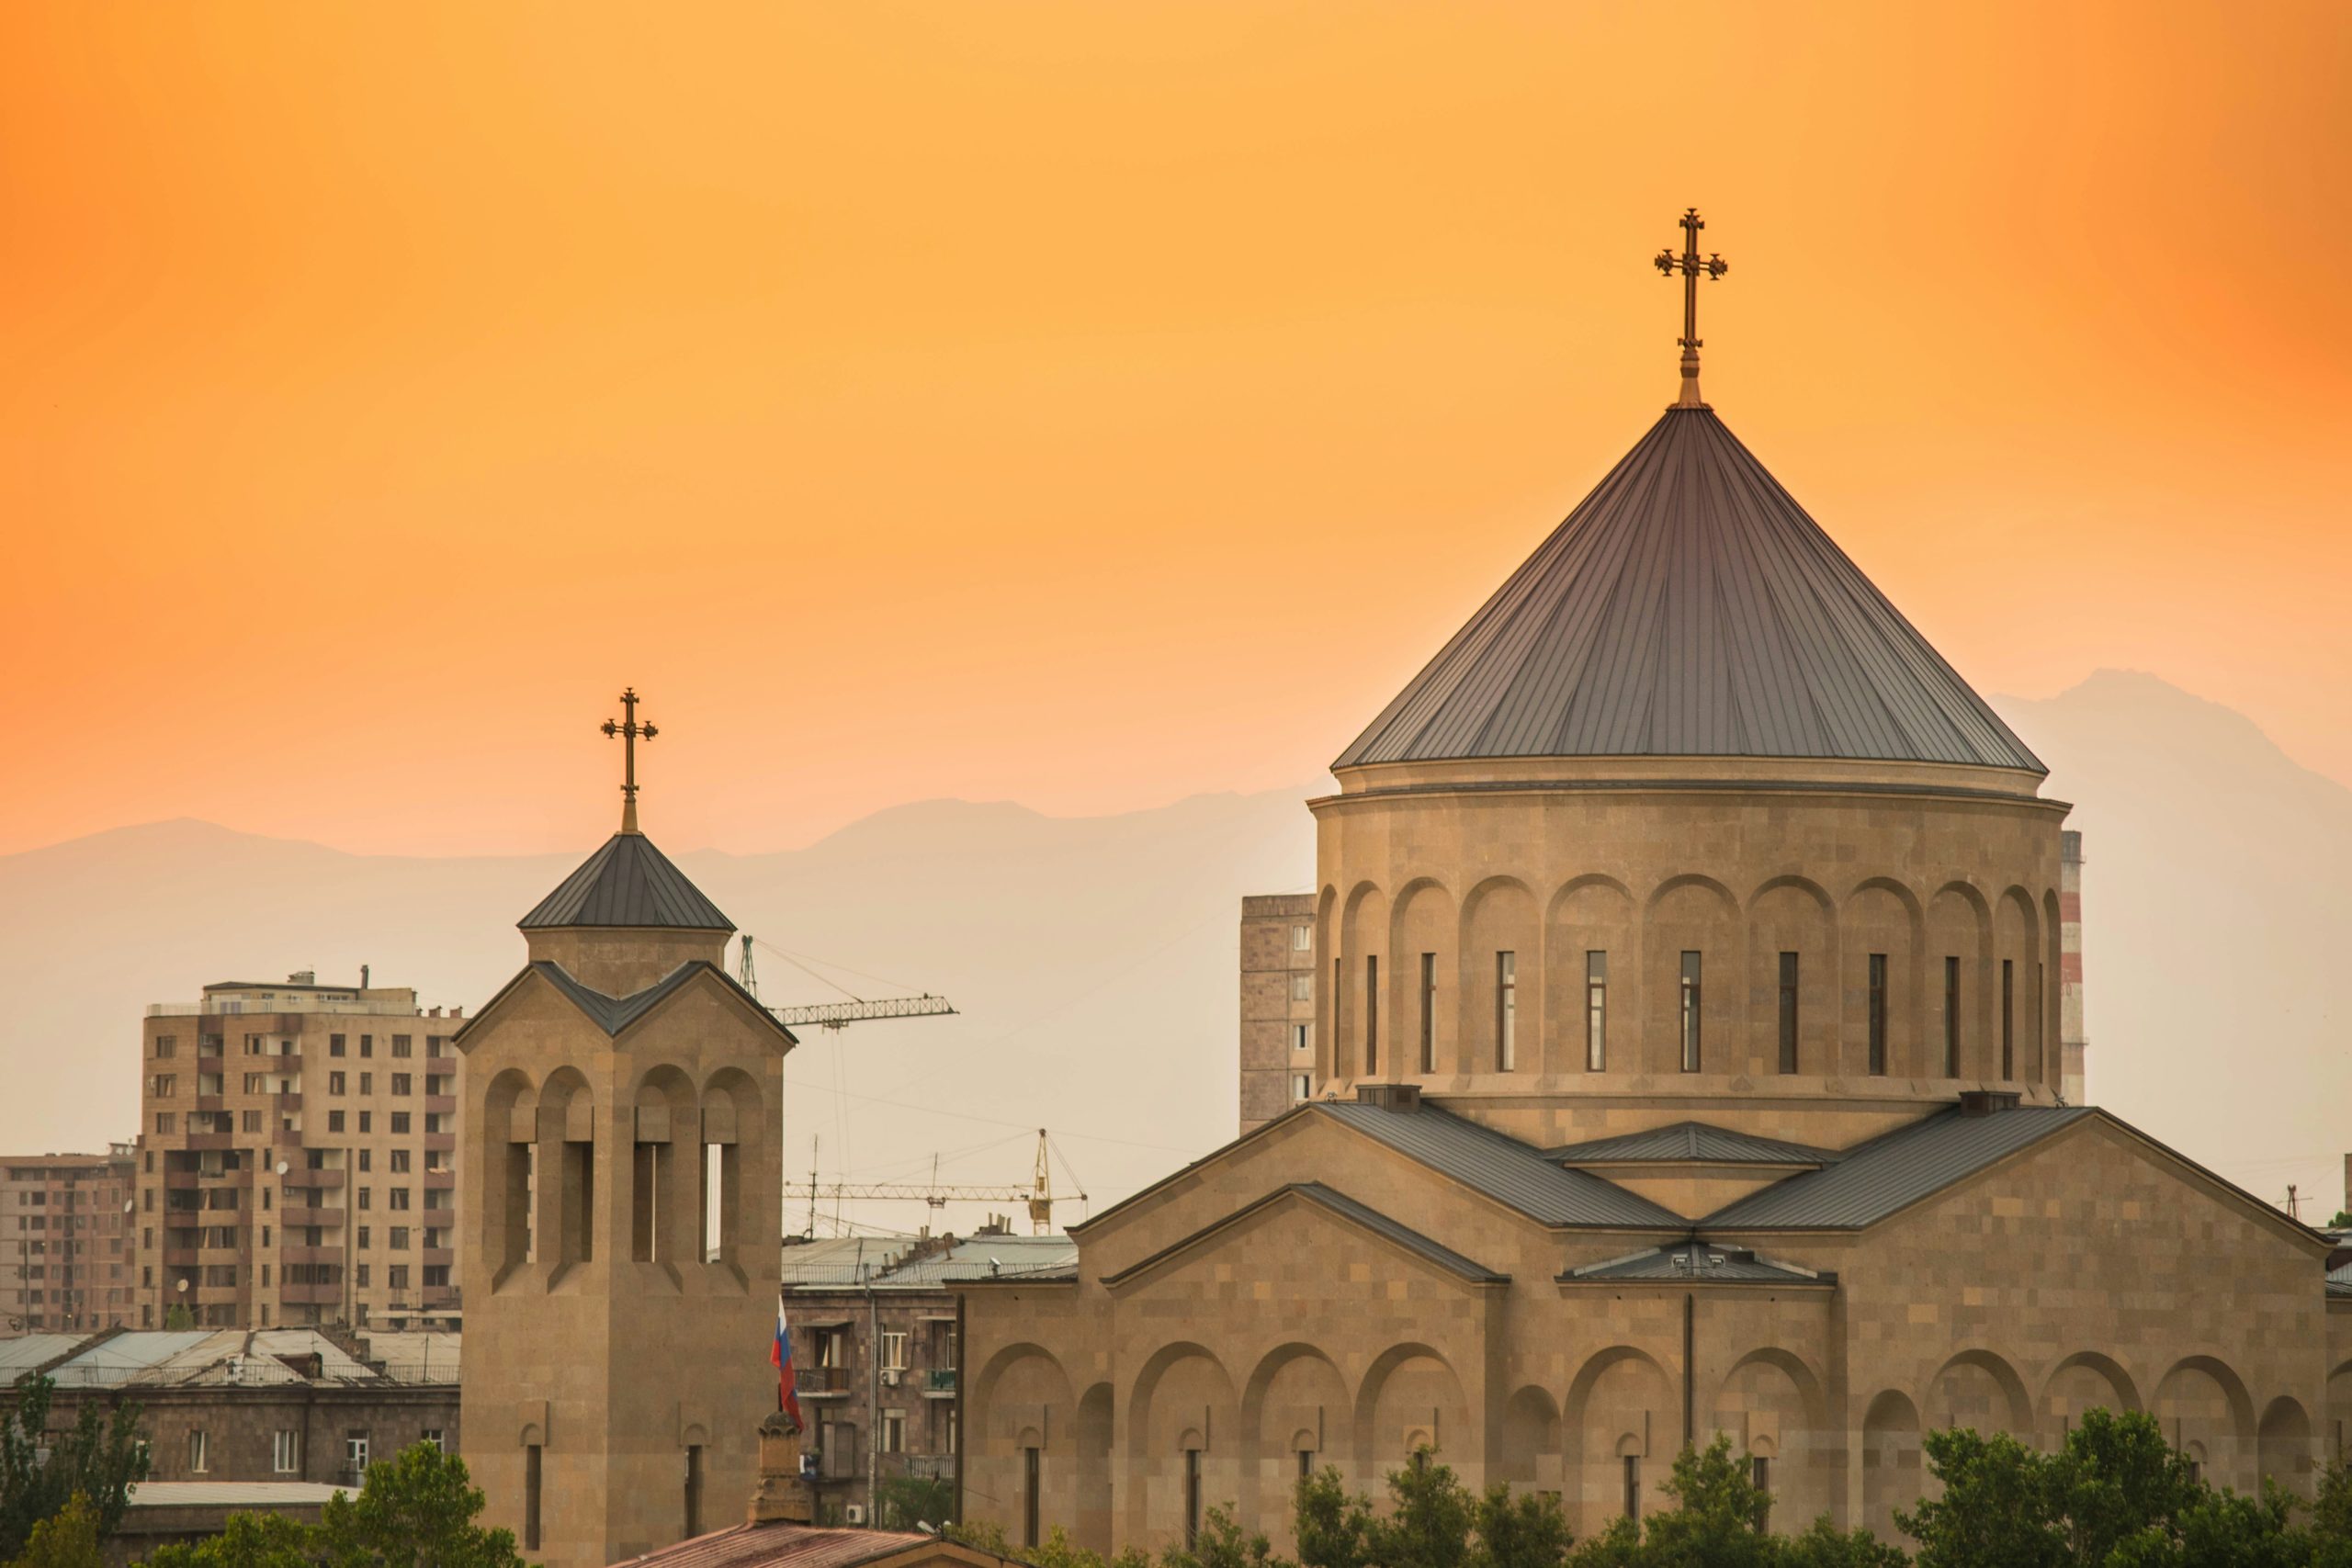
x,y
1691,266
629,731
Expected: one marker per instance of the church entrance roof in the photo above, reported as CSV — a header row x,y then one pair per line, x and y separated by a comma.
x,y
1690,607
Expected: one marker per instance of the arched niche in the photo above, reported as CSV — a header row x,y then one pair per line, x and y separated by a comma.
x,y
1529,1455
1422,937
2201,1400
1698,916
2082,1382
2051,1058
505,1131
1958,930
1297,1403
736,1215
1893,1476
1621,1404
1980,1390
665,1182
2283,1446
2014,981
1365,1044
1182,1402
568,1174
1093,1500
1021,1398
1499,979
1790,922
2336,1434
1589,942
1771,1404
1881,917
1410,1398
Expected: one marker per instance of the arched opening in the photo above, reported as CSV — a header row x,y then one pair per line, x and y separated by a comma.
x,y
1500,972
1957,921
1771,1405
2016,969
1411,1400
665,1205
2283,1447
2082,1382
1422,997
506,1135
2201,1401
1791,980
1690,965
1881,938
1021,1441
566,1170
1093,1527
1529,1455
1593,972
1892,1474
1620,1407
1360,1021
1183,1443
1978,1390
1296,1412
734,1133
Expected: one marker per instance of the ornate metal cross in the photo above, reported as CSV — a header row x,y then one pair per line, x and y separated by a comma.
x,y
629,732
1691,266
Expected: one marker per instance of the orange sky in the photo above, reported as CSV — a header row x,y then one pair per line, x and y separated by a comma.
x,y
1089,405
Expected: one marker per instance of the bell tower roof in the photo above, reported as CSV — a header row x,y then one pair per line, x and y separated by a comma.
x,y
627,883
1689,607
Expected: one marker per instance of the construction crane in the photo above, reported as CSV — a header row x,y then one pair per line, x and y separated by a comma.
x,y
1038,1195
841,1015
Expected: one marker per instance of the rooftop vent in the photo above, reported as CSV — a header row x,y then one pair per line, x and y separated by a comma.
x,y
1390,1096
303,978
1985,1101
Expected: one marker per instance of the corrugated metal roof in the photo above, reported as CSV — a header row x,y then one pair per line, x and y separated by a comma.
x,y
1689,1140
228,1357
613,1014
1503,1169
22,1354
233,1494
1690,607
1696,1261
988,1256
1894,1171
627,883
1339,1203
799,1546
417,1355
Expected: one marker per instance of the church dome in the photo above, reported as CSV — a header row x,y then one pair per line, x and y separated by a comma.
x,y
1689,607
627,883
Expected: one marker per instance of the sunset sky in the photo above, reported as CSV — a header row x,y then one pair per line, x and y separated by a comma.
x,y
1091,405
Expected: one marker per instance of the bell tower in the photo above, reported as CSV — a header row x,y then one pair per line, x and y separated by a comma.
x,y
624,1174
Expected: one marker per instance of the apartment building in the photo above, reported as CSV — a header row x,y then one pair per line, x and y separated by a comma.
x,y
1277,1005
298,1159
65,1259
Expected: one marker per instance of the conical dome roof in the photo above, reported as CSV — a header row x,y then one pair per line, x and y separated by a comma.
x,y
627,883
1689,607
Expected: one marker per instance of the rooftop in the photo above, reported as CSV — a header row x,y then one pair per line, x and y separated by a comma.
x,y
804,1546
248,1359
628,884
889,1263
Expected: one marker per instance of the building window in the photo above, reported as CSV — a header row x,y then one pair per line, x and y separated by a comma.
x,y
398,1240
367,1161
1302,1087
1632,1463
894,1357
1371,1013
398,1197
1951,1018
894,1431
367,1046
1595,1012
249,1122
1302,988
401,1046
164,1085
366,1083
1029,1496
1788,1012
336,1083
1759,1475
396,1276
1299,1039
163,1121
1305,1464
403,1082
1192,1498
334,1120
367,1122
431,1436
400,1161
166,1044
1429,1012
1691,1012
334,1044
531,1498
354,1454
694,1490
400,1122
1878,1014
200,1458
1506,1011
2008,1019
285,1452
1301,938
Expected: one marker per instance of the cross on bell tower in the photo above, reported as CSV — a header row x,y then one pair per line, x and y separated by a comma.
x,y
1691,266
629,731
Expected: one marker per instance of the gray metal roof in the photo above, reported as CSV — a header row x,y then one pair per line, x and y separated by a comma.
x,y
1688,1262
1689,1140
1338,1203
1690,607
627,883
613,1014
1892,1172
24,1353
1503,1169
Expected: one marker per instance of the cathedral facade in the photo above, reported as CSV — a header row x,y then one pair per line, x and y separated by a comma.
x,y
1685,1061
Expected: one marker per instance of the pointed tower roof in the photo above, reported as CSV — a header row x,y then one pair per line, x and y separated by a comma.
x,y
627,883
1690,607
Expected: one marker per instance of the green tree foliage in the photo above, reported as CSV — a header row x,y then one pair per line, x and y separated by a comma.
x,y
177,1318
250,1541
416,1509
41,1470
68,1538
905,1501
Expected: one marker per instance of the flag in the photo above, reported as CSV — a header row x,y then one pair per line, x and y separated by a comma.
x,y
787,1399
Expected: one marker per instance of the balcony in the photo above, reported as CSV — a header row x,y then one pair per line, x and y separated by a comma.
x,y
180,1180
441,1295
939,1382
444,1141
316,1295
436,1255
205,1141
311,1255
299,1179
213,1061
211,1102
440,1179
287,1137
820,1382
287,1100
440,1104
179,1258
294,1219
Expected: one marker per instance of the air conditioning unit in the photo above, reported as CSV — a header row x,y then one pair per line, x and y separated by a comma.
x,y
890,1376
854,1513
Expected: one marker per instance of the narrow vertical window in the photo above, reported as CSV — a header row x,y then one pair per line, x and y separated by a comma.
x,y
1691,1012
1191,1500
2041,1027
1337,1044
1759,1475
1429,1012
1306,1462
1788,1012
1596,1011
1878,1014
1371,1013
1506,1011
1632,1486
1951,1018
1029,1510
531,1498
2008,1019
694,1490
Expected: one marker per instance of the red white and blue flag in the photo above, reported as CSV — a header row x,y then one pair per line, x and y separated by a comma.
x,y
780,1355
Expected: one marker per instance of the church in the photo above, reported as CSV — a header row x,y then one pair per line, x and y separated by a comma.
x,y
1684,1062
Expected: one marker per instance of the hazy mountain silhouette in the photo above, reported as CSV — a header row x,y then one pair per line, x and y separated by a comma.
x,y
1093,958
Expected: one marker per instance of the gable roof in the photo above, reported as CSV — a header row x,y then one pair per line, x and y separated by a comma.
x,y
1690,607
627,883
1688,1142
1337,1202
1502,1168
613,1014
1895,1171
1690,1263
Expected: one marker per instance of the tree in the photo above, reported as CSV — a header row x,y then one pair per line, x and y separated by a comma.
x,y
1523,1531
178,1319
1429,1517
1334,1526
41,1470
1823,1545
1995,1509
1718,1518
248,1541
415,1510
68,1538
905,1501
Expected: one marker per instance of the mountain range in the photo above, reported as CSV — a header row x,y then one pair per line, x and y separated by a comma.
x,y
1091,959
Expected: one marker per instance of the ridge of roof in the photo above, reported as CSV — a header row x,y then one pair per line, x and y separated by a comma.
x,y
613,1014
627,883
1430,1251
1689,1140
1501,1168
1689,606
1895,1171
